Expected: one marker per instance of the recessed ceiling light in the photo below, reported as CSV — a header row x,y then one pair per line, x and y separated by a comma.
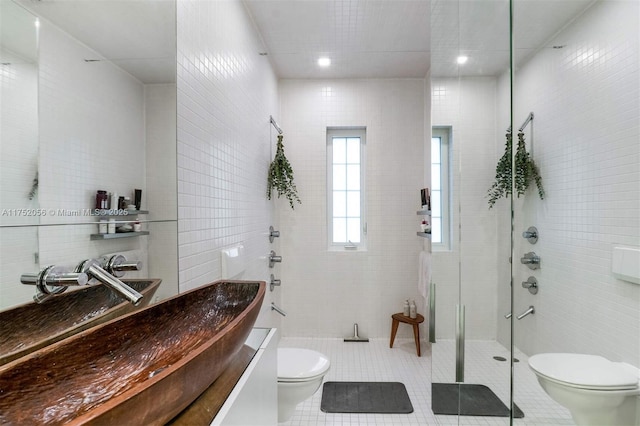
x,y
324,62
462,60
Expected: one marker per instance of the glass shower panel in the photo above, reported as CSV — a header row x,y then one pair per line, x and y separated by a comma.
x,y
472,99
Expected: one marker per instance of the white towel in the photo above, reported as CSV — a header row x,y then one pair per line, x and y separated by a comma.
x,y
424,275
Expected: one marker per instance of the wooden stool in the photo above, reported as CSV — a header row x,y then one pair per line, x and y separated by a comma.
x,y
397,319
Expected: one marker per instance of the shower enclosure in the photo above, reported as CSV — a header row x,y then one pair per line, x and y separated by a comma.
x,y
563,78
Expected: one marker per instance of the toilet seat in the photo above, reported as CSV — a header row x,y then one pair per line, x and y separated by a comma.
x,y
582,371
301,365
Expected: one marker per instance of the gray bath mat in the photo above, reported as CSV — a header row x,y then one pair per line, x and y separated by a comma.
x,y
365,397
474,400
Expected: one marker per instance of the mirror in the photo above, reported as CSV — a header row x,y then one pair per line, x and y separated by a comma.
x,y
88,103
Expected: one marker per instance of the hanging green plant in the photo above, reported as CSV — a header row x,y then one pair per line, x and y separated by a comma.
x,y
526,171
501,187
280,176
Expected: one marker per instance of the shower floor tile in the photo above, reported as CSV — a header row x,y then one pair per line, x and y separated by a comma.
x,y
375,361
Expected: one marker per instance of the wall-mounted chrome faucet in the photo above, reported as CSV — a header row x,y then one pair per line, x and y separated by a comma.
x,y
273,259
529,311
531,234
93,268
531,259
273,234
532,284
274,283
52,280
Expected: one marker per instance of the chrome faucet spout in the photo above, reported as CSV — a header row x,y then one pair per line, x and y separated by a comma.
x,y
529,311
115,284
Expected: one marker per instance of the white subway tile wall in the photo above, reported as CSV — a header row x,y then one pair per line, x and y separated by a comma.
x,y
326,291
226,93
585,140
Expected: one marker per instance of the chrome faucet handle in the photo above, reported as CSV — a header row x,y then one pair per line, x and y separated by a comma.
x,y
53,280
117,265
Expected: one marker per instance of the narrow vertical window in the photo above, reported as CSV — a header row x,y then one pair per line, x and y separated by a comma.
x,y
440,184
345,198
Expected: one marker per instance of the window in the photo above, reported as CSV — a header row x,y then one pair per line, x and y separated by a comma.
x,y
440,184
345,183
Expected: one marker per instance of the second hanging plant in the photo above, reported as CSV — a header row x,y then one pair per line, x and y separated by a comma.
x,y
280,177
526,171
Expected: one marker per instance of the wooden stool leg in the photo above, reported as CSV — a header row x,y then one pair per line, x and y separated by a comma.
x,y
416,336
394,330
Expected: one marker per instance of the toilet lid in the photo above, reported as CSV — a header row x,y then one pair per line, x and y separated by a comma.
x,y
585,371
300,364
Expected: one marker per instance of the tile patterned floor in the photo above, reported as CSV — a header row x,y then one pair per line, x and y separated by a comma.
x,y
374,361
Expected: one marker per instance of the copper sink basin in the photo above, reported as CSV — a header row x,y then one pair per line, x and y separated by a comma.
x,y
32,326
141,369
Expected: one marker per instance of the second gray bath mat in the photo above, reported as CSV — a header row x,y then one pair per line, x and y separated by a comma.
x,y
365,397
468,400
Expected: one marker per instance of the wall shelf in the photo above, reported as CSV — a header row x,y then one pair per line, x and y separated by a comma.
x,y
423,212
118,235
424,234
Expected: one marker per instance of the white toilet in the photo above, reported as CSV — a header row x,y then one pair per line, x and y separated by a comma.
x,y
596,391
300,374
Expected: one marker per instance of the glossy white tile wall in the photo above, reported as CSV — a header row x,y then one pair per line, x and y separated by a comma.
x,y
324,292
468,105
586,99
226,92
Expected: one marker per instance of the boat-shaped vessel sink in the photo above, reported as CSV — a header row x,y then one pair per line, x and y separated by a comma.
x,y
32,326
140,369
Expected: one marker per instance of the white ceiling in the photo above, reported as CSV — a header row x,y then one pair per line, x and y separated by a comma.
x,y
364,38
403,38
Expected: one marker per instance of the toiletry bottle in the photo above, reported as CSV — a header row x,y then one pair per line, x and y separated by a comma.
x,y
101,199
114,201
405,309
102,227
423,225
412,310
427,227
112,226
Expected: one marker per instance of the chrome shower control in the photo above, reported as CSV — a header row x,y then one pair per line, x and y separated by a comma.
x,y
532,284
273,259
273,234
531,259
274,283
531,234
